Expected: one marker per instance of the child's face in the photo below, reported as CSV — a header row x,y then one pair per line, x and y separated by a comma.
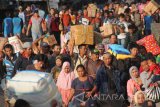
x,y
59,62
8,51
149,62
134,51
145,66
141,98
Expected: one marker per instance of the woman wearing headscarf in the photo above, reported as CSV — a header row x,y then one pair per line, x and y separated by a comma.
x,y
134,84
64,82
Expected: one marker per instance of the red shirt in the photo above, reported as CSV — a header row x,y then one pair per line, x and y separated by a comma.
x,y
66,20
54,24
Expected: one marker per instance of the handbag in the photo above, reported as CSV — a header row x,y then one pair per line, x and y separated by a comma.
x,y
153,93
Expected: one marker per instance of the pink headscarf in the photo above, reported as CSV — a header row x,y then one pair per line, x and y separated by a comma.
x,y
65,79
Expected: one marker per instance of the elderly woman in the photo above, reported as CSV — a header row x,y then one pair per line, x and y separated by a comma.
x,y
134,84
64,82
82,84
139,98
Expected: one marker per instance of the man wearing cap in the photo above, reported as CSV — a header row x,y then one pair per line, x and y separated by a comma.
x,y
79,17
101,50
26,57
35,24
93,63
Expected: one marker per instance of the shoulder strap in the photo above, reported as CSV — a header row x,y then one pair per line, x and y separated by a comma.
x,y
75,58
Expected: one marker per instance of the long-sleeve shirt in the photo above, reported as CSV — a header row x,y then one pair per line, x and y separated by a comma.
x,y
144,75
132,88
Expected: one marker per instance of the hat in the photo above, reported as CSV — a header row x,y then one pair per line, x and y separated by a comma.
x,y
100,46
80,11
20,7
27,45
44,44
36,11
95,51
59,57
121,25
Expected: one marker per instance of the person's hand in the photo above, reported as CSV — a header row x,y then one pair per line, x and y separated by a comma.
x,y
103,37
23,30
156,84
43,36
89,94
27,33
83,104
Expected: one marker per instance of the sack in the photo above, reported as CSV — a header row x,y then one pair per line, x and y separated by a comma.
x,y
82,34
2,42
38,88
107,29
155,31
118,49
151,7
16,43
51,40
153,93
92,9
150,44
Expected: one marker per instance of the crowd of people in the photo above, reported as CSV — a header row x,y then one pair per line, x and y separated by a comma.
x,y
88,69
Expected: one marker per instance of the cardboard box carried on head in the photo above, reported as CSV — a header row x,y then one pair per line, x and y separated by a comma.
x,y
82,34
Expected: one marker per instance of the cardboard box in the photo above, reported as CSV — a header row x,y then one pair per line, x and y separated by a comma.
x,y
151,7
51,40
82,34
107,29
156,31
92,9
16,43
3,41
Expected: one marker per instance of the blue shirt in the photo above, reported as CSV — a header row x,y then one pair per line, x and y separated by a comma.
x,y
17,25
147,22
7,26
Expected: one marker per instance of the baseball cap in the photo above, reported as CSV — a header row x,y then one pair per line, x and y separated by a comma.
x,y
20,7
27,45
80,11
95,51
36,11
121,25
